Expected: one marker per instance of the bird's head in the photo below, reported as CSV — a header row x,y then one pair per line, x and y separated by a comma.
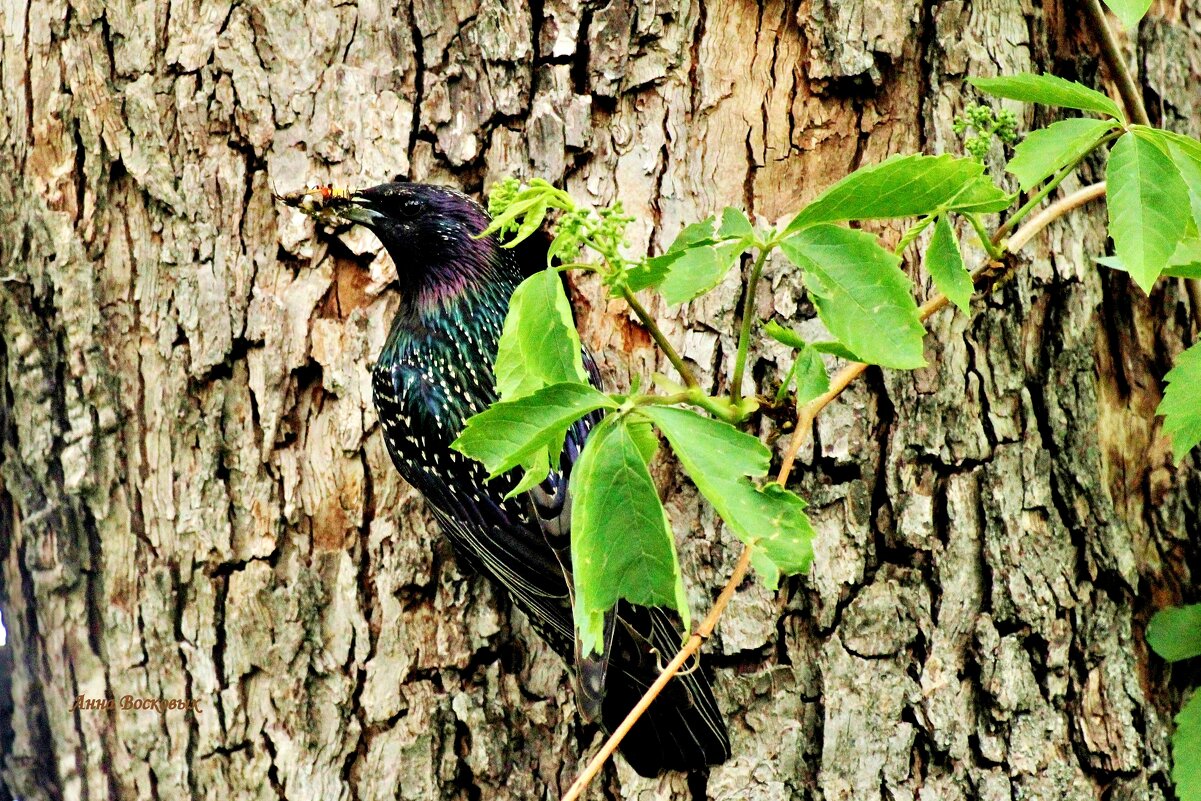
x,y
430,232
418,222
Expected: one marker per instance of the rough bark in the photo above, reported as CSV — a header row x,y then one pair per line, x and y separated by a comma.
x,y
195,502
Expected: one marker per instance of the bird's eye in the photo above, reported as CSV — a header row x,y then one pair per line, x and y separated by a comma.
x,y
408,207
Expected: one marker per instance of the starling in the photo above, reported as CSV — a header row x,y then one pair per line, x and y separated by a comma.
x,y
434,372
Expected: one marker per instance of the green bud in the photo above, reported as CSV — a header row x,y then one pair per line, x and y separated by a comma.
x,y
501,194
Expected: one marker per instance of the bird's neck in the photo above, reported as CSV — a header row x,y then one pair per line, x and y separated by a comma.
x,y
460,303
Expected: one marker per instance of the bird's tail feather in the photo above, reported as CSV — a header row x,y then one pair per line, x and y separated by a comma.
x,y
683,729
592,671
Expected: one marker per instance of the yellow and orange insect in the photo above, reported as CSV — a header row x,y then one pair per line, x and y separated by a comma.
x,y
318,202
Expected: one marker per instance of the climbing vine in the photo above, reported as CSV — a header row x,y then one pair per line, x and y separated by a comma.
x,y
622,546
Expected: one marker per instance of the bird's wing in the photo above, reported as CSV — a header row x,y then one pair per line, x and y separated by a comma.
x,y
532,575
497,537
524,544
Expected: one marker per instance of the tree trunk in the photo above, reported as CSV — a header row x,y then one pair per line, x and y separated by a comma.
x,y
195,501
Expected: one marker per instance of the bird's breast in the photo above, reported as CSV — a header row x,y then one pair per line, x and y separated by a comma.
x,y
423,398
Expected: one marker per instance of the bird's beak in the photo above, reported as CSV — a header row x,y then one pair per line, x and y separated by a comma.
x,y
332,206
357,209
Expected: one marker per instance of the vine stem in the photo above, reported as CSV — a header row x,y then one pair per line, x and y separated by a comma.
x,y
806,414
609,254
748,315
1112,53
1051,185
1055,211
986,242
691,647
1132,98
677,361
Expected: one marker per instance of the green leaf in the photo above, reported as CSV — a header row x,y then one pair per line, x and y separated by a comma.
x,y
1190,146
1175,632
1181,404
1146,194
621,543
721,460
564,246
539,345
785,336
835,349
1190,270
699,265
1049,90
901,186
1048,150
1185,153
695,271
766,568
734,224
808,369
1186,750
697,233
533,219
644,436
1129,11
521,204
1189,165
505,434
652,271
861,294
944,262
981,196
536,468
792,339
812,380
913,232
1185,262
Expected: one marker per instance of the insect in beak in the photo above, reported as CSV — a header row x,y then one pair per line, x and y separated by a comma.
x,y
330,205
323,203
